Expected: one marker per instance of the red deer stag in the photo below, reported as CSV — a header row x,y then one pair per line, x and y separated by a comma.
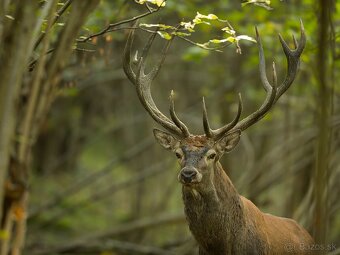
x,y
222,221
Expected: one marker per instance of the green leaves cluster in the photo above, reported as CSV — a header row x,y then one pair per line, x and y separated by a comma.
x,y
186,29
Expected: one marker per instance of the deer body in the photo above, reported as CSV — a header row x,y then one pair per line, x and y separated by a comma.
x,y
222,221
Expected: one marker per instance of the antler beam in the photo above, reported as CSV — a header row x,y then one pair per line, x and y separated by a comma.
x,y
273,91
143,82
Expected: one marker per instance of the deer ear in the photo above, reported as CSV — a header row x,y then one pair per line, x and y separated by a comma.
x,y
166,140
228,142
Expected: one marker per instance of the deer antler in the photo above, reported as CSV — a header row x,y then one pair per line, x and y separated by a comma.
x,y
143,82
273,91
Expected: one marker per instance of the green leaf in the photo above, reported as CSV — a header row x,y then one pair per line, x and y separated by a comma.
x,y
262,3
209,16
228,30
164,35
230,39
188,26
200,18
217,41
181,34
161,26
245,37
159,3
199,21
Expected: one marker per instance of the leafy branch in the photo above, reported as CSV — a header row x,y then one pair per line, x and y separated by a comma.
x,y
186,29
111,27
183,31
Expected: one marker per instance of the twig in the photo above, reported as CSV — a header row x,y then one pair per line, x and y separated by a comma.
x,y
110,26
57,16
218,49
31,65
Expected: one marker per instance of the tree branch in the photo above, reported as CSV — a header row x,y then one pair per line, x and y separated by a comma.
x,y
59,13
110,27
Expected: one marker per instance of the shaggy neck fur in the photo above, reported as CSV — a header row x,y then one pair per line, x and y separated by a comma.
x,y
214,212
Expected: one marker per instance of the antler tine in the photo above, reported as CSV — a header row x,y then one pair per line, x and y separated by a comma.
x,y
273,91
153,73
270,90
127,58
296,44
174,117
262,64
219,133
206,125
143,82
293,61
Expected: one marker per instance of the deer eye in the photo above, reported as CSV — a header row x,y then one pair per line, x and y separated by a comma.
x,y
212,156
178,155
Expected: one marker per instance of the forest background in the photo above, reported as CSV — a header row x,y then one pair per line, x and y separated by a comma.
x,y
80,172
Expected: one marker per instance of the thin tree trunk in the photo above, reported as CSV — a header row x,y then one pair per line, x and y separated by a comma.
x,y
13,61
18,41
321,175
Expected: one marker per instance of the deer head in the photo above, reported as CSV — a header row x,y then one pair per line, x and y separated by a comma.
x,y
199,154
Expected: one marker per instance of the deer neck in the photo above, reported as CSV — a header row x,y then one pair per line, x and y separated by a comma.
x,y
216,194
213,205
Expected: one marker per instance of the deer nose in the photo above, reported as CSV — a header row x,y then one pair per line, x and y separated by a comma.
x,y
187,174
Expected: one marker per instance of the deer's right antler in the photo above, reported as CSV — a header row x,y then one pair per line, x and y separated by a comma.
x,y
143,82
273,91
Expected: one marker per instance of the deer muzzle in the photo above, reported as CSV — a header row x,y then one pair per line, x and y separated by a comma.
x,y
189,175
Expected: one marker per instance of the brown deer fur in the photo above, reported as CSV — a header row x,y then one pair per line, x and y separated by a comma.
x,y
222,221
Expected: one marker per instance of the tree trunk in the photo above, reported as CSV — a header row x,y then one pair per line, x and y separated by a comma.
x,y
25,98
321,175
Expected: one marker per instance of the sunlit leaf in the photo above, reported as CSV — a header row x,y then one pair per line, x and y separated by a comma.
x,y
216,41
245,37
230,39
188,26
164,35
209,16
228,30
199,21
200,18
262,3
181,34
10,17
159,3
161,26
